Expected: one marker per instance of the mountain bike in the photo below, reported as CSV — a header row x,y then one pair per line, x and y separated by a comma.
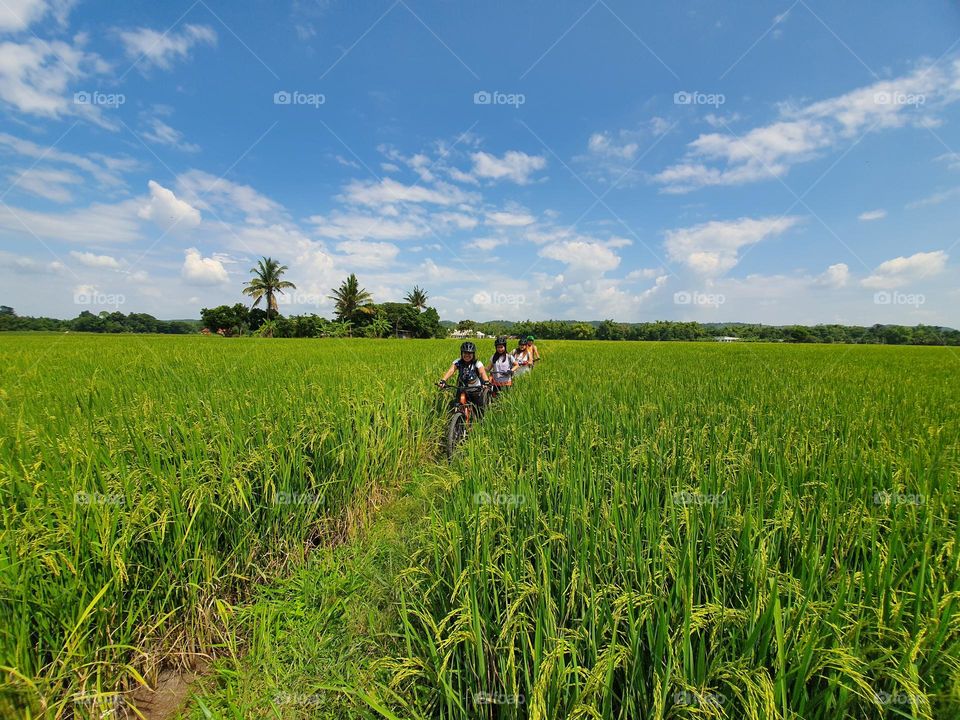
x,y
463,411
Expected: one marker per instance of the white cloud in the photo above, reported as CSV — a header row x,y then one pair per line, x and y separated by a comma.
x,y
35,75
934,199
17,15
206,191
835,276
459,220
510,219
358,226
103,168
95,224
601,144
150,48
21,265
198,270
902,270
166,210
487,244
872,215
161,133
580,255
514,165
46,183
368,254
641,274
388,191
801,134
712,248
90,260
952,160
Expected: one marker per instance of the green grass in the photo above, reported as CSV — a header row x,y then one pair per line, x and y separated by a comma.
x,y
680,531
148,483
656,530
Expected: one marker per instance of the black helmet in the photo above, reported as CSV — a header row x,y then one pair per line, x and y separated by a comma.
x,y
468,347
501,340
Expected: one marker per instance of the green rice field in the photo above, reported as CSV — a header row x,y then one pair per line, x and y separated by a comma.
x,y
637,530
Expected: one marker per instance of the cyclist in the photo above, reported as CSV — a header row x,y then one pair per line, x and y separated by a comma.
x,y
532,349
471,375
522,356
502,365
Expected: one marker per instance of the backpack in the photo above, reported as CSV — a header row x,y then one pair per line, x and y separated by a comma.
x,y
467,374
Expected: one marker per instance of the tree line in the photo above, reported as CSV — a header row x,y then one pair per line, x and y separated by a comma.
x,y
670,330
104,322
356,314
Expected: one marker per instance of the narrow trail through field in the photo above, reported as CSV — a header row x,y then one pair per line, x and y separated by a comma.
x,y
308,643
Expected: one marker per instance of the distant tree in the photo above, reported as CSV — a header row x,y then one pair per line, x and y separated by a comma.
x,y
352,303
467,325
337,329
379,325
266,283
7,311
231,319
256,317
428,324
609,330
417,298
581,331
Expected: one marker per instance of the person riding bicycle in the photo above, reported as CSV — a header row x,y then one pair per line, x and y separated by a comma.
x,y
522,355
471,375
502,364
532,348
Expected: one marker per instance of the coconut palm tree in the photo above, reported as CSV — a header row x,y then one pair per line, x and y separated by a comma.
x,y
351,302
417,297
266,283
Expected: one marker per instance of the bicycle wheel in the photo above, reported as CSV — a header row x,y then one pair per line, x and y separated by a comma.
x,y
456,430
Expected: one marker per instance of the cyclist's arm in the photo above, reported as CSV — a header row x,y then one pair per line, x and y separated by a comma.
x,y
483,373
447,375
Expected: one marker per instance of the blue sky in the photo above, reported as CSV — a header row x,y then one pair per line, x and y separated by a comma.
x,y
778,162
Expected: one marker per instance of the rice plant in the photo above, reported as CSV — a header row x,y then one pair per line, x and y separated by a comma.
x,y
698,531
147,483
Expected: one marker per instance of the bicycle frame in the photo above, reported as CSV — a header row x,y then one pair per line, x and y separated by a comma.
x,y
463,405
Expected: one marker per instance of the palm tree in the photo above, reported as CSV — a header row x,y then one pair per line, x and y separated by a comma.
x,y
417,297
351,302
266,283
